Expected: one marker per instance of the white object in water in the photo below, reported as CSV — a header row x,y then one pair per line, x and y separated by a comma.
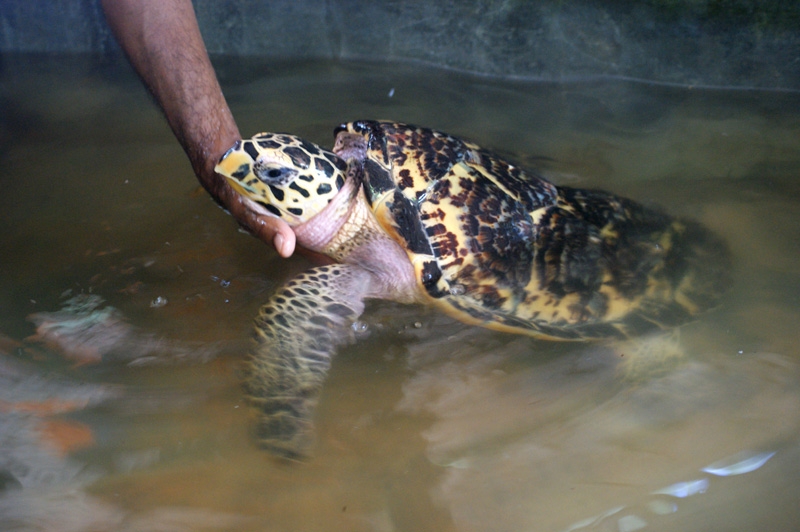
x,y
662,507
158,302
591,521
630,523
738,464
684,489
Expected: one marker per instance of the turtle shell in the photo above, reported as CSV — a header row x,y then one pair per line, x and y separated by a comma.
x,y
499,246
462,214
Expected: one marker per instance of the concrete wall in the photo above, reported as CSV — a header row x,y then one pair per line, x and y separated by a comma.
x,y
742,43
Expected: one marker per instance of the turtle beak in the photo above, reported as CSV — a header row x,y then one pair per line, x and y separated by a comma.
x,y
236,166
239,187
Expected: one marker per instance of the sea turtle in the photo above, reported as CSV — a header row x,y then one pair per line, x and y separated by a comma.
x,y
418,216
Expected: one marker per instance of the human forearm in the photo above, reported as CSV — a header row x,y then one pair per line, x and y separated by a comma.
x,y
162,41
164,44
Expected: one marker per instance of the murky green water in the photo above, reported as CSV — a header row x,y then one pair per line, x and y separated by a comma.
x,y
425,424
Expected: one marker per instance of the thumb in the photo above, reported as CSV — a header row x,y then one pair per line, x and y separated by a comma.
x,y
278,233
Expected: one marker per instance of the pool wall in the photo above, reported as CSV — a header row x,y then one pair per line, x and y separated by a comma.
x,y
730,43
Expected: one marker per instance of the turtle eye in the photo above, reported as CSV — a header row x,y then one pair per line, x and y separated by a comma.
x,y
274,175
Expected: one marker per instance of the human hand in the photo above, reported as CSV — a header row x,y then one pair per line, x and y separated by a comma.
x,y
270,229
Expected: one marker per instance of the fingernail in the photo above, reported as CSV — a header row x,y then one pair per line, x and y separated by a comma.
x,y
278,242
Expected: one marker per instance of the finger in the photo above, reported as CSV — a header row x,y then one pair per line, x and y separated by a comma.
x,y
277,232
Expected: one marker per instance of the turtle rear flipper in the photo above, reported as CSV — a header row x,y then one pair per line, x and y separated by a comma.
x,y
297,332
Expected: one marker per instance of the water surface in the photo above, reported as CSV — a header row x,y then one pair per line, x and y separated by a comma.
x,y
425,424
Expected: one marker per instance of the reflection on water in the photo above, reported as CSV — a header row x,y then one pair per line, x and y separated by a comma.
x,y
591,441
425,424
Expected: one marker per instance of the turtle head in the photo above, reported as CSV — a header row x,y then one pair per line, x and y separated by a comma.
x,y
283,175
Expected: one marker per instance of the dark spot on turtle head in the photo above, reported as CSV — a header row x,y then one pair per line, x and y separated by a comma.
x,y
323,166
339,181
242,171
338,162
299,157
269,144
251,150
309,147
295,211
297,188
324,188
271,208
276,192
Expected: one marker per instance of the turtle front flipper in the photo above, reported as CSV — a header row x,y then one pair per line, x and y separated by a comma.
x,y
297,332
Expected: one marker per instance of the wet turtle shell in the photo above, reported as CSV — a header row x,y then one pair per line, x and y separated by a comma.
x,y
499,246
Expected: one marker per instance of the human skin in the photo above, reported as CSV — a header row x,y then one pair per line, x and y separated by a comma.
x,y
163,43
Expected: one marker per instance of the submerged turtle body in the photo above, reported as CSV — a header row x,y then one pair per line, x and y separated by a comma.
x,y
415,215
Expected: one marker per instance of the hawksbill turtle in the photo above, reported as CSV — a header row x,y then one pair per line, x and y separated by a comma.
x,y
415,215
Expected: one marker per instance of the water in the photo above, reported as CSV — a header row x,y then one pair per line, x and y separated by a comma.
x,y
425,424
